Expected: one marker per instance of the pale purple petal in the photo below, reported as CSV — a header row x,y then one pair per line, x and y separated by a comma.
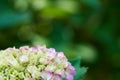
x,y
69,77
71,69
57,77
51,50
46,75
50,53
61,56
36,48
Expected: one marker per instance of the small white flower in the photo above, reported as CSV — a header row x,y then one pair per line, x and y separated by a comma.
x,y
24,58
50,68
43,60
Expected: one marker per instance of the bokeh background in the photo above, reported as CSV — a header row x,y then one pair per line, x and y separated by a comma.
x,y
85,29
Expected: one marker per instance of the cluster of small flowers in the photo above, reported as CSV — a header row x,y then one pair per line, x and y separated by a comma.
x,y
34,63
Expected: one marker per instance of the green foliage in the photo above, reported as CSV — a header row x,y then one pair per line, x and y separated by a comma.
x,y
80,71
92,3
10,17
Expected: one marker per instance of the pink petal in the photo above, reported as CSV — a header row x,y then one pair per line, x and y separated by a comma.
x,y
43,48
36,48
24,49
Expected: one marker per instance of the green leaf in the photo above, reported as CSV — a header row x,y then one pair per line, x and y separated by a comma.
x,y
80,71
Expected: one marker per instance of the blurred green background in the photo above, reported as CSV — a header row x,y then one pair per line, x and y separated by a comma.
x,y
85,29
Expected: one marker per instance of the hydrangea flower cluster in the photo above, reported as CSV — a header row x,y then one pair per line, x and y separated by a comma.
x,y
34,63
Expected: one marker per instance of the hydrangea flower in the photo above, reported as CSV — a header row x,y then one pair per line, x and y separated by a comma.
x,y
34,63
